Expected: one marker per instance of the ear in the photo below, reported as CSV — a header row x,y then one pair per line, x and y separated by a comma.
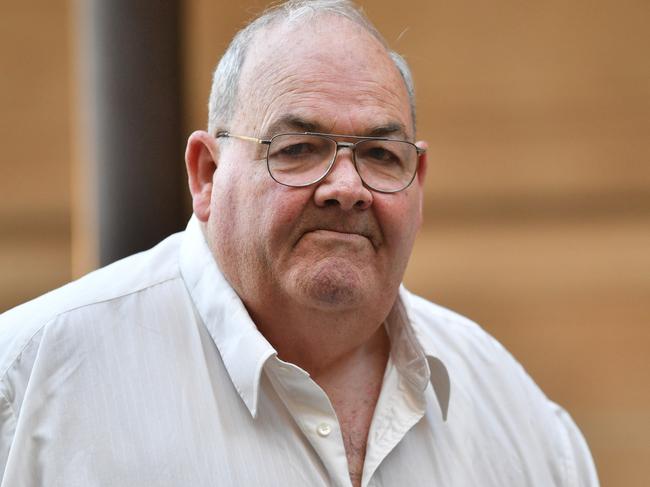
x,y
201,160
422,162
421,175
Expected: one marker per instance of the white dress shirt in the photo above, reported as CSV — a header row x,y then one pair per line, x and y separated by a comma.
x,y
150,372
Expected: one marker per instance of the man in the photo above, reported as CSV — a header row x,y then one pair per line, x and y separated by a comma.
x,y
271,343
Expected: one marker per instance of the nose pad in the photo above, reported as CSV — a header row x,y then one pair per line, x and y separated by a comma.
x,y
343,185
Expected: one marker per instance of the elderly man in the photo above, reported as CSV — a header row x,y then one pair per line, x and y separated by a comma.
x,y
270,343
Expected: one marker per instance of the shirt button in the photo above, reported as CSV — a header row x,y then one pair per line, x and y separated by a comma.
x,y
324,429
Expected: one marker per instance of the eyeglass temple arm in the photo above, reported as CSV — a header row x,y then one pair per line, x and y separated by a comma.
x,y
243,137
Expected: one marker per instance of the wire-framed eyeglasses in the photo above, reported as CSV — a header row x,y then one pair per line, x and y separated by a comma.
x,y
301,159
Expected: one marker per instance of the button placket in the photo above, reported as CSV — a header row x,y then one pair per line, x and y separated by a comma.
x,y
314,415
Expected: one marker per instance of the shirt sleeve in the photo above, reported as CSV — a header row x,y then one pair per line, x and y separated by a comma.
x,y
575,455
7,430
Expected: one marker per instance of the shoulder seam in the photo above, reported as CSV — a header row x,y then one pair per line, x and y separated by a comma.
x,y
49,320
567,456
9,404
116,296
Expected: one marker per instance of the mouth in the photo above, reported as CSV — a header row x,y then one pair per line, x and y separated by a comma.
x,y
342,235
338,234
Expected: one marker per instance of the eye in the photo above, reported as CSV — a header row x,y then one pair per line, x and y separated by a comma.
x,y
379,154
297,147
297,150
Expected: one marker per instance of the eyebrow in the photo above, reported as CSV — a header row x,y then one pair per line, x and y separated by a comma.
x,y
291,122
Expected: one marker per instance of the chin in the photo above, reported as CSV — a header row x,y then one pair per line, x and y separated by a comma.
x,y
331,283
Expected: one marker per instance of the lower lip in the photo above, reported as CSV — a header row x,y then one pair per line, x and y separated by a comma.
x,y
331,234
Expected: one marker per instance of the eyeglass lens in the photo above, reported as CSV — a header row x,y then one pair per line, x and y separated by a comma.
x,y
302,159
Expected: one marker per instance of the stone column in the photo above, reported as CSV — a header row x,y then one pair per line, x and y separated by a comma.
x,y
130,109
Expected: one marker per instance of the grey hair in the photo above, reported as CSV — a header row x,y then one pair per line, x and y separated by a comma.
x,y
225,81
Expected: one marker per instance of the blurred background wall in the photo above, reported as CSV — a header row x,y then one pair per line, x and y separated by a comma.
x,y
538,192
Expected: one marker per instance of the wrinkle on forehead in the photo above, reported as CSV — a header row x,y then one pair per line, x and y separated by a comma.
x,y
332,62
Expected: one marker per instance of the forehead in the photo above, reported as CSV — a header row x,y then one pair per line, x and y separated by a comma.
x,y
326,71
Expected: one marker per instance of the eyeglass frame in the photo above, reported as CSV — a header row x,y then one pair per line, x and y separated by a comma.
x,y
345,145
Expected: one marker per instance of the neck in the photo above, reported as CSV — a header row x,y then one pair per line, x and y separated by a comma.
x,y
323,341
344,352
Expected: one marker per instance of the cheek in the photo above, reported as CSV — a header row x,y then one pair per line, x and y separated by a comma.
x,y
280,211
285,205
235,193
253,213
229,211
400,219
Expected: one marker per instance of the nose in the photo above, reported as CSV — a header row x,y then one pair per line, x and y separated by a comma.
x,y
343,186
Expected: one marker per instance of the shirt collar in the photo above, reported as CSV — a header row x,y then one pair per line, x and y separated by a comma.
x,y
244,350
416,359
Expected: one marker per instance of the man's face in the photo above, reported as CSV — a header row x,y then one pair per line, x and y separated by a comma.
x,y
336,244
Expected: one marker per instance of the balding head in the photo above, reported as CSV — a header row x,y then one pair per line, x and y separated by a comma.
x,y
224,95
